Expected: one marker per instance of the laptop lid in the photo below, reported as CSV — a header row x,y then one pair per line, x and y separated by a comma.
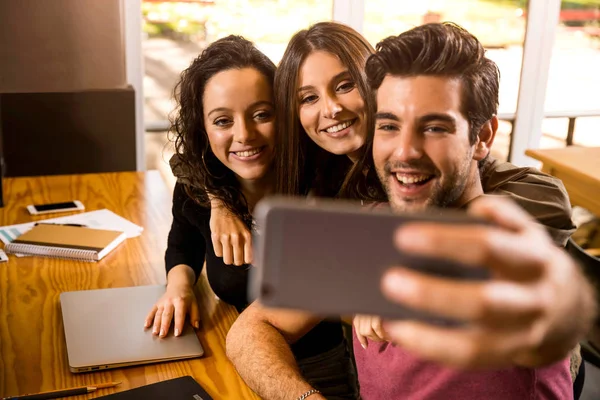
x,y
105,329
184,388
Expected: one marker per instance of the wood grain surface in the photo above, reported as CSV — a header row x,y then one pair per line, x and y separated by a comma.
x,y
33,354
578,168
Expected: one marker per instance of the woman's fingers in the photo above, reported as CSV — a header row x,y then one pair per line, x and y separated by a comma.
x,y
378,328
248,255
166,318
180,310
195,313
230,237
227,250
150,317
368,327
157,320
173,307
237,245
217,246
358,323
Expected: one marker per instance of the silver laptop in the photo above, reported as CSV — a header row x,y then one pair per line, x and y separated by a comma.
x,y
105,329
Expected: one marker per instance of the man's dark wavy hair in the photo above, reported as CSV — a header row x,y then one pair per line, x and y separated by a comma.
x,y
439,49
206,175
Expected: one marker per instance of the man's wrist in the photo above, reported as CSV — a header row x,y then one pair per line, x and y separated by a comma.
x,y
308,393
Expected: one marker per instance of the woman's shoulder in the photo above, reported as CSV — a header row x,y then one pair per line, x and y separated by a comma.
x,y
183,200
180,169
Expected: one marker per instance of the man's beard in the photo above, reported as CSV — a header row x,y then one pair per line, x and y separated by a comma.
x,y
444,193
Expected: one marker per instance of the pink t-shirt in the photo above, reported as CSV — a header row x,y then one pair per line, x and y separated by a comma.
x,y
388,372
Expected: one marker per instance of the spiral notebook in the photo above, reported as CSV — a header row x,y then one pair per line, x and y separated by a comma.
x,y
62,241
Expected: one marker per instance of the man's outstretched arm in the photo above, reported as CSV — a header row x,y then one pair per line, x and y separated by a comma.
x,y
258,345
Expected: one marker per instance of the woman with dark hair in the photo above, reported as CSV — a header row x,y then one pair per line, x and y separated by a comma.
x,y
225,147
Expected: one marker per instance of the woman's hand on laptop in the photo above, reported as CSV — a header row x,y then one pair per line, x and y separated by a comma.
x,y
178,301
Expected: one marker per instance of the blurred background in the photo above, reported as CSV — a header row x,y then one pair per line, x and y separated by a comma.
x,y
175,32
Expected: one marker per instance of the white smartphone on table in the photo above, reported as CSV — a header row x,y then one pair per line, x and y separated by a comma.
x,y
37,209
328,257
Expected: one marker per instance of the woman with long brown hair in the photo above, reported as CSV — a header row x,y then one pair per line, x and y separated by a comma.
x,y
324,107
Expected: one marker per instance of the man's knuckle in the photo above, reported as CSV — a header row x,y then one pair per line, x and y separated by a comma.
x,y
481,310
544,302
486,248
471,353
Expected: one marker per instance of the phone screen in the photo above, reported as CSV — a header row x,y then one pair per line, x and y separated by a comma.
x,y
55,206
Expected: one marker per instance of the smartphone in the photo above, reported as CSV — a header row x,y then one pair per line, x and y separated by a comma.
x,y
327,257
37,209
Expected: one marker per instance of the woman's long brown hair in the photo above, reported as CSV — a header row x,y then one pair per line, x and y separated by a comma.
x,y
302,165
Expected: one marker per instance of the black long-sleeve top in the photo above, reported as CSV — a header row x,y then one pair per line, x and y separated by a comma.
x,y
190,243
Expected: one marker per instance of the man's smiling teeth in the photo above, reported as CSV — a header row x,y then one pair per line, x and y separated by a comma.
x,y
406,179
339,127
248,153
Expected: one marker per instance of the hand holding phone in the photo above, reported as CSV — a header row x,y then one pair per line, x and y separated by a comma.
x,y
518,317
37,209
328,257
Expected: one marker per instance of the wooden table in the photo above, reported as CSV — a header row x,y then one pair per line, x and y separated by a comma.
x,y
33,354
578,168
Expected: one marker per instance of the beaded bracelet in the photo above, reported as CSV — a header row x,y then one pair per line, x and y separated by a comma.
x,y
309,393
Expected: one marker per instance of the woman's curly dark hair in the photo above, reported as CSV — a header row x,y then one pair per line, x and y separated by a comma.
x,y
205,174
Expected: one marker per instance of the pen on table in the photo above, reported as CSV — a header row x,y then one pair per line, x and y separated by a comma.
x,y
54,394
51,223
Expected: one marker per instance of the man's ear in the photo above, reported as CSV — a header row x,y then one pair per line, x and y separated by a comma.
x,y
485,139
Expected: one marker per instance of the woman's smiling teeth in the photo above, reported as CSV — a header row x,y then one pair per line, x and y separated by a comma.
x,y
248,153
339,127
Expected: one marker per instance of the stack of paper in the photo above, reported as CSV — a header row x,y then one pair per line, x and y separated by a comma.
x,y
100,219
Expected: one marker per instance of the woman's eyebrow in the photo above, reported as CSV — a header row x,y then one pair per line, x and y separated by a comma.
x,y
220,109
261,103
255,104
335,78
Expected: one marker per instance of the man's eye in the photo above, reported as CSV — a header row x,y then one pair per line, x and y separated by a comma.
x,y
436,129
386,127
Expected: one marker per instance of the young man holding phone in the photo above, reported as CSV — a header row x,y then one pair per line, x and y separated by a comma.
x,y
437,98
